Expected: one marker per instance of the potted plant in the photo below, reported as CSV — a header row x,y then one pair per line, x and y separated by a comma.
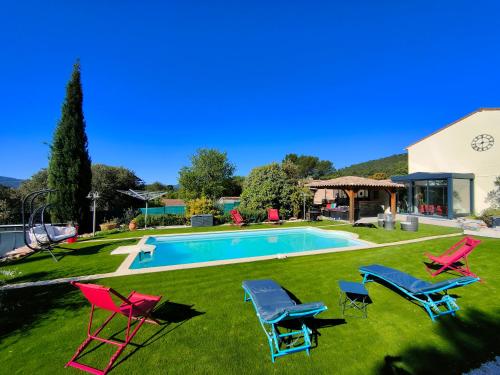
x,y
132,225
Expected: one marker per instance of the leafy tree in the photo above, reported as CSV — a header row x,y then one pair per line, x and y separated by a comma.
x,y
158,186
10,206
390,166
310,166
106,180
273,186
235,186
38,181
210,175
380,176
69,166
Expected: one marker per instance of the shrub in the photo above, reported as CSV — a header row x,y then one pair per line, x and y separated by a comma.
x,y
160,220
253,216
200,206
487,215
222,219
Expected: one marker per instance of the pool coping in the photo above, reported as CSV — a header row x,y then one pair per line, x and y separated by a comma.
x,y
133,250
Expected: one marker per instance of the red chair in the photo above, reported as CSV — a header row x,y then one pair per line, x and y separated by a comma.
x,y
430,209
237,219
421,209
134,307
452,257
273,216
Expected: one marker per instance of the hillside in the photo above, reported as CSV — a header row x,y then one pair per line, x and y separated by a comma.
x,y
385,167
10,182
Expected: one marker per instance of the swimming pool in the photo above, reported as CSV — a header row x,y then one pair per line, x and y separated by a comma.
x,y
199,248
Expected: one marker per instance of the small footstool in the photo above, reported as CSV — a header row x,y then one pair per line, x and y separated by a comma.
x,y
353,296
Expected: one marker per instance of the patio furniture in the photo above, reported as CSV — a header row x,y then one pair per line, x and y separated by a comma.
x,y
38,234
353,296
495,222
452,257
237,219
429,295
273,216
411,224
273,306
389,224
202,220
380,220
134,307
313,214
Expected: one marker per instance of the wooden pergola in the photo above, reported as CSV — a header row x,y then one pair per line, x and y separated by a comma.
x,y
352,184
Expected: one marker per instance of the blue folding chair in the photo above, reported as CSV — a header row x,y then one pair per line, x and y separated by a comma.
x,y
432,296
273,306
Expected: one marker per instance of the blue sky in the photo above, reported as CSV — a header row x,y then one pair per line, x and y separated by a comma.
x,y
345,81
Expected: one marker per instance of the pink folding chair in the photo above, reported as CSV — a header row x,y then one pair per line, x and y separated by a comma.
x,y
134,307
237,219
452,257
273,216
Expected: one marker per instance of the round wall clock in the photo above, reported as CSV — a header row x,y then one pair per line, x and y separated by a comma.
x,y
483,142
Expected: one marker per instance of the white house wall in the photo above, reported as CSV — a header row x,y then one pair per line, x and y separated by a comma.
x,y
450,150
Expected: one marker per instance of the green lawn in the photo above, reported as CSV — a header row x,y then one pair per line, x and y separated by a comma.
x,y
210,330
89,257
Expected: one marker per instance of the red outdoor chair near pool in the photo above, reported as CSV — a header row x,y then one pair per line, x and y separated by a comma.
x,y
273,216
134,307
237,219
452,257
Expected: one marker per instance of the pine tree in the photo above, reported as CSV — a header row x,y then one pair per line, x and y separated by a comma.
x,y
69,167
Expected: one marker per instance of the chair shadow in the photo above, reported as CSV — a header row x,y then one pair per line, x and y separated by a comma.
x,y
472,339
435,296
168,313
313,323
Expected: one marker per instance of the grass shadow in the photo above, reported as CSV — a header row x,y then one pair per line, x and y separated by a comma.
x,y
471,338
171,315
22,309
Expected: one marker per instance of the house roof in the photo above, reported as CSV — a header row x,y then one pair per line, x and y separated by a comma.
x,y
173,202
453,123
353,182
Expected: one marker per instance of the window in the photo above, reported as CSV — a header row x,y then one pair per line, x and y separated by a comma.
x,y
461,196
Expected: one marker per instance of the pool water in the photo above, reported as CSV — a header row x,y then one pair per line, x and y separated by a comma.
x,y
185,249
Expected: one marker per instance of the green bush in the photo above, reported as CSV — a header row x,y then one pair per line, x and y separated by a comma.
x,y
161,220
487,215
222,219
253,216
201,206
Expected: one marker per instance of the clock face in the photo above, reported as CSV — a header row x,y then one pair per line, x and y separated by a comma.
x,y
482,142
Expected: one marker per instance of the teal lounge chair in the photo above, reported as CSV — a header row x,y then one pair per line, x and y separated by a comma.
x,y
273,306
433,297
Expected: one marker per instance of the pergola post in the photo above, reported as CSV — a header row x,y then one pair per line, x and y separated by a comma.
x,y
392,195
350,193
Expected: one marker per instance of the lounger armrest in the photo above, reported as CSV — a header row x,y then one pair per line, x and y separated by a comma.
x,y
449,284
304,309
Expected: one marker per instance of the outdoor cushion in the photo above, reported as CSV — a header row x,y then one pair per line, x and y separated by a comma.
x,y
271,301
402,279
412,284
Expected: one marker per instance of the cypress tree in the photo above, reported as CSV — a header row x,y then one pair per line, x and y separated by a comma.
x,y
69,167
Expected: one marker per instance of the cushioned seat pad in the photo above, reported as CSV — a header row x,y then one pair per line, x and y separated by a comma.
x,y
271,300
410,283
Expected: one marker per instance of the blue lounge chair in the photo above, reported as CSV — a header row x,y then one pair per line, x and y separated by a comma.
x,y
429,295
273,306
